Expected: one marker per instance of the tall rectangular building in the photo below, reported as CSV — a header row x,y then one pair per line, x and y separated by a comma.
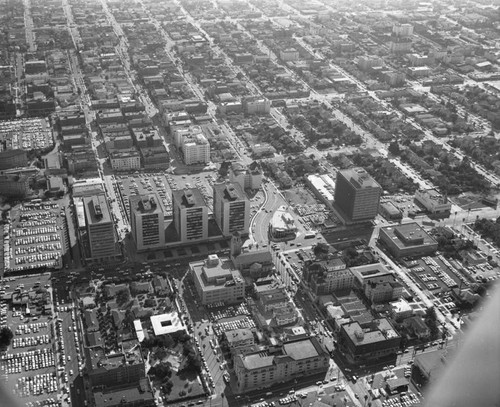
x,y
190,214
231,208
357,195
100,229
147,222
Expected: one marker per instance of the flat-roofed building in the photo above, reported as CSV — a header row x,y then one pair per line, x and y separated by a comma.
x,y
167,323
14,185
127,397
323,187
100,228
190,214
378,283
275,364
231,208
256,105
239,338
378,340
408,239
389,211
217,281
12,159
400,309
282,225
125,160
327,276
114,369
357,195
249,177
147,222
433,202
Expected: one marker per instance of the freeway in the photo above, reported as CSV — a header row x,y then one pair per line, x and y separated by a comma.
x,y
260,223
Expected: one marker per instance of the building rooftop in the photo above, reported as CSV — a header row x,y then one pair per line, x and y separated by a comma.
x,y
369,271
282,220
96,209
238,335
302,349
96,358
400,306
229,191
434,195
359,178
145,204
127,396
216,272
188,198
408,235
167,323
380,331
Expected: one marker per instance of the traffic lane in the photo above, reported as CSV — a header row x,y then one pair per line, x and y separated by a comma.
x,y
69,345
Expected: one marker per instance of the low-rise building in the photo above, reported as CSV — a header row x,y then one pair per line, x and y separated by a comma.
x,y
256,105
217,281
114,370
15,186
239,338
433,202
282,225
13,159
327,276
400,309
294,359
378,284
129,160
389,211
407,240
377,341
323,186
248,177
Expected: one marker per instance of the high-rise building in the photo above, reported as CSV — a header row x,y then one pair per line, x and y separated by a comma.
x,y
147,222
100,229
196,149
231,208
190,214
357,195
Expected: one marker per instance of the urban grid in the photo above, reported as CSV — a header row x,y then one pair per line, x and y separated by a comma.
x,y
246,202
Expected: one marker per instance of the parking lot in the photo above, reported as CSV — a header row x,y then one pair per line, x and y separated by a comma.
x,y
437,275
38,236
29,367
26,134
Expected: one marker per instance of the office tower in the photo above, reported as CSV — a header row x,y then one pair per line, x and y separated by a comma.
x,y
357,195
231,208
190,214
147,222
100,229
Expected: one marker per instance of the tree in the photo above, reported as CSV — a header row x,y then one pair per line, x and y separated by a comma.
x,y
394,148
122,296
6,336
